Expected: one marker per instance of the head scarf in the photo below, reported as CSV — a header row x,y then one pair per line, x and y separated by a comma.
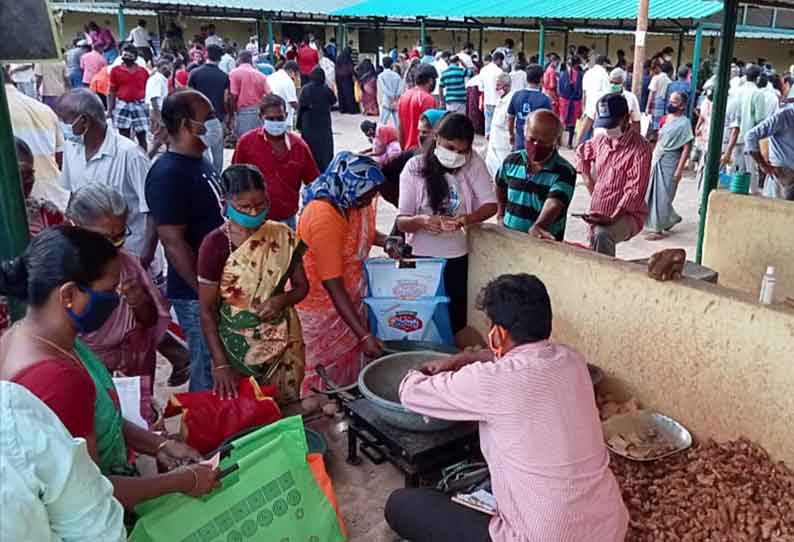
x,y
348,177
433,116
317,76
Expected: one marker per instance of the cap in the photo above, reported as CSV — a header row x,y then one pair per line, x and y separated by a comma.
x,y
618,74
610,110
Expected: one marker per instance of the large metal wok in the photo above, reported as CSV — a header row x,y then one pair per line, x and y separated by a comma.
x,y
379,382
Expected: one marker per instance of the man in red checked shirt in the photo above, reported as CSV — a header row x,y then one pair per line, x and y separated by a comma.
x,y
127,97
616,167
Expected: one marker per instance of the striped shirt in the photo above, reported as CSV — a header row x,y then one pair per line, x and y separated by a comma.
x,y
541,437
453,81
621,169
527,191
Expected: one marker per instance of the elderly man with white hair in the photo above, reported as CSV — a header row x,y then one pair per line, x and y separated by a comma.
x,y
96,153
617,79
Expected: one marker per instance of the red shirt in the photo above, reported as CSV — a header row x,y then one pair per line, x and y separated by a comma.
x,y
621,170
129,86
181,77
67,389
410,108
284,174
308,59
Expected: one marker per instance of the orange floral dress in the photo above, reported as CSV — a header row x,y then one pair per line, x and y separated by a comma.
x,y
338,247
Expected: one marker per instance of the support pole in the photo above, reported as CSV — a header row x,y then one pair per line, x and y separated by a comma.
x,y
639,47
122,26
727,40
271,41
542,44
695,69
565,47
680,50
482,54
607,46
422,37
14,225
468,37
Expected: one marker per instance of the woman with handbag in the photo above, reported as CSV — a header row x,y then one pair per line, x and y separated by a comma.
x,y
247,311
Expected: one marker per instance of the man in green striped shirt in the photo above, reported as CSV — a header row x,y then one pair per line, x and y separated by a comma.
x,y
453,87
535,185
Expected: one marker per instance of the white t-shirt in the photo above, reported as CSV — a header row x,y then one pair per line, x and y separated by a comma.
x,y
139,37
465,59
281,84
518,80
595,83
470,187
659,84
631,99
488,76
213,40
441,66
156,87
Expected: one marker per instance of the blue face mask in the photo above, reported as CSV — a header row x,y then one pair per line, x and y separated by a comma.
x,y
100,306
275,127
69,135
248,222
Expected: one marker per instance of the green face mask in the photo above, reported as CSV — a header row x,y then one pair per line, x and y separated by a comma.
x,y
616,87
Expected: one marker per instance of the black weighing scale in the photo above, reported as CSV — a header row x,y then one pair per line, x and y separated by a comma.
x,y
417,454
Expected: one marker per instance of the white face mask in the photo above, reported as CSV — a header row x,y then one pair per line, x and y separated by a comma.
x,y
276,127
614,133
450,159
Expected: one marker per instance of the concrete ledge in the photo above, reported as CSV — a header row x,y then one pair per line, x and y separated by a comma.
x,y
710,357
745,234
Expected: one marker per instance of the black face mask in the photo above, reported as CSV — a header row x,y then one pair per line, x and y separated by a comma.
x,y
129,61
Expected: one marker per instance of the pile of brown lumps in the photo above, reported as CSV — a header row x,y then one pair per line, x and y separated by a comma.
x,y
729,492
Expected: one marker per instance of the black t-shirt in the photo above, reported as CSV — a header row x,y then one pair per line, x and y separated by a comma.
x,y
182,190
211,81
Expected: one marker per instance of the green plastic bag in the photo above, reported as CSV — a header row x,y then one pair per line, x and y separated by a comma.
x,y
271,497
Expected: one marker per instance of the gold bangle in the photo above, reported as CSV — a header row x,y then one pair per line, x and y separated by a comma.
x,y
220,367
195,478
162,445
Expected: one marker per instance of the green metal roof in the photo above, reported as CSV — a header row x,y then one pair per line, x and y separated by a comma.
x,y
313,7
540,9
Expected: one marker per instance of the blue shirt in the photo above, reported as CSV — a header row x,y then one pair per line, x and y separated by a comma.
x,y
779,128
681,87
523,103
390,83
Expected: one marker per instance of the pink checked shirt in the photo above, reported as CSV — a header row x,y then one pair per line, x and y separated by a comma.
x,y
622,173
541,436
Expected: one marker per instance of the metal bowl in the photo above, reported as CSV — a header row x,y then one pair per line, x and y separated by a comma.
x,y
675,434
380,381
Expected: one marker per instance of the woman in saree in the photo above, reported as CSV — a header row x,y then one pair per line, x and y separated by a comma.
x,y
385,142
569,89
69,278
345,84
247,309
368,82
669,158
127,342
338,226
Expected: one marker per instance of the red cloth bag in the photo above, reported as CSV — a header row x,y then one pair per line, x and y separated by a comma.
x,y
208,420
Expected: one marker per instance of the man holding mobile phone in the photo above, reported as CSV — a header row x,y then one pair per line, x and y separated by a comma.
x,y
620,161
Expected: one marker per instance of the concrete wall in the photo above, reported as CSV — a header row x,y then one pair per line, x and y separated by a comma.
x,y
710,357
745,234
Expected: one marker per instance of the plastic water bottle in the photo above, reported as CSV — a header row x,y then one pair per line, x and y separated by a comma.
x,y
768,286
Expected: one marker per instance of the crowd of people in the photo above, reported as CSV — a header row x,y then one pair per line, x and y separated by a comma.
x,y
261,263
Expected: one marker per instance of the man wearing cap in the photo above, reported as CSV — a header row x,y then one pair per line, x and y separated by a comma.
x,y
616,167
617,78
415,102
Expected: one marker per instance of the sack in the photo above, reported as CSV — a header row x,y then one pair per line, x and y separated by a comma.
x,y
275,494
386,279
208,420
426,319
